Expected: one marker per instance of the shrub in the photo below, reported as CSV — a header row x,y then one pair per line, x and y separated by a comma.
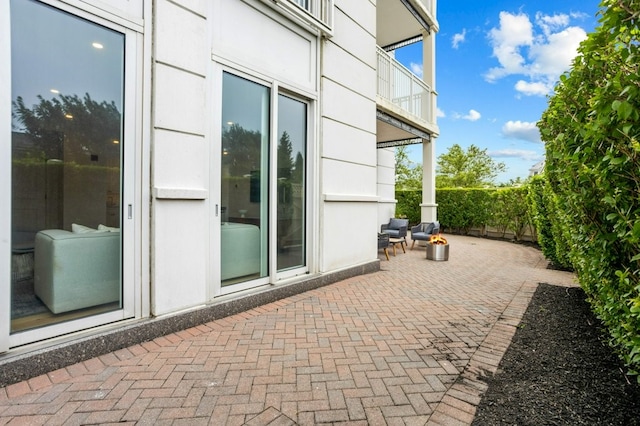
x,y
510,211
409,205
462,209
591,130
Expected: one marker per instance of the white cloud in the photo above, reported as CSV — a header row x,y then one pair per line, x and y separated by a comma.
x,y
552,58
458,38
515,31
472,116
550,23
521,130
440,113
522,154
541,56
537,88
416,69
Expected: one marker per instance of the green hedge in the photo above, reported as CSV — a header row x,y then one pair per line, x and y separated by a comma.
x,y
591,130
409,205
461,209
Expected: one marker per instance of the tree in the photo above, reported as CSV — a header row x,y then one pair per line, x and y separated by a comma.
x,y
408,173
472,168
285,161
85,126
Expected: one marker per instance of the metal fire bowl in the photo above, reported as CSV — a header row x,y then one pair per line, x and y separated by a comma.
x,y
439,252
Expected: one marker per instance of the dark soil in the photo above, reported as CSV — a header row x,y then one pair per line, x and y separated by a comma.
x,y
559,370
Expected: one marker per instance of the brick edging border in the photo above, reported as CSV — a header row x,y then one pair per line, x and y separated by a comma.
x,y
459,403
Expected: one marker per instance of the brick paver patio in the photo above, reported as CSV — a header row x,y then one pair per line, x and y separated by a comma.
x,y
403,346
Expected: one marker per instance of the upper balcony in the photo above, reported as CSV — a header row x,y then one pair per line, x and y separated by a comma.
x,y
406,103
405,97
403,21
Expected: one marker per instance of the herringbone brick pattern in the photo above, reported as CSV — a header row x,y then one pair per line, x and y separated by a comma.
x,y
402,346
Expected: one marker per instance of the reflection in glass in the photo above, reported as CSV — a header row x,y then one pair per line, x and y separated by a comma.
x,y
67,90
292,131
245,172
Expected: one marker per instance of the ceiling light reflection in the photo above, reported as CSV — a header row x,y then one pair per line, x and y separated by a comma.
x,y
97,45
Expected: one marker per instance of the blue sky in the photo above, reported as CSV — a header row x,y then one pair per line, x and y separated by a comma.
x,y
496,63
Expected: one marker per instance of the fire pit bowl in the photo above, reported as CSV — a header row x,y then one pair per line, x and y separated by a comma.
x,y
437,248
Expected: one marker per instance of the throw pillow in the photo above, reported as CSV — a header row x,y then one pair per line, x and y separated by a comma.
x,y
81,229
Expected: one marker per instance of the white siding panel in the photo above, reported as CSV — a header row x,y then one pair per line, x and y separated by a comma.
x,y
355,223
180,100
349,71
180,254
354,39
342,142
346,106
179,160
196,6
181,38
255,40
348,178
365,11
386,175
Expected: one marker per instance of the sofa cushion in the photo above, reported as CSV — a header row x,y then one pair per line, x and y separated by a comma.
x,y
427,228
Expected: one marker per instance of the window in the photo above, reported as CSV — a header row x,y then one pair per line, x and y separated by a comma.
x,y
263,182
67,142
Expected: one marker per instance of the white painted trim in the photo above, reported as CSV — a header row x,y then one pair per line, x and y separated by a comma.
x,y
351,198
5,176
180,193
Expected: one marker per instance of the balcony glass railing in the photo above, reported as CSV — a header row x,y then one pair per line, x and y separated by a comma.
x,y
404,89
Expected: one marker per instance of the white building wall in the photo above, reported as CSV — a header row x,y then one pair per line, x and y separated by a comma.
x,y
189,39
348,214
386,184
179,221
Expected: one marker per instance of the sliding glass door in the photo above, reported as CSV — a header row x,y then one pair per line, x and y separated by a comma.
x,y
68,149
291,166
263,182
245,176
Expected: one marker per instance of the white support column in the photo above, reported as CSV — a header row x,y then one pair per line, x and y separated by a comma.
x,y
428,208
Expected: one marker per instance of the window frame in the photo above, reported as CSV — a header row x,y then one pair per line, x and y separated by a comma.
x,y
277,88
131,175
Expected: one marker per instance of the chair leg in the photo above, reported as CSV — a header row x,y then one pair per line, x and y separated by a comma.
x,y
386,252
413,243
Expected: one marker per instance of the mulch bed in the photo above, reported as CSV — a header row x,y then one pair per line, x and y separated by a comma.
x,y
559,370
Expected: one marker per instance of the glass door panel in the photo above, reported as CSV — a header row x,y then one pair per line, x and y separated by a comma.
x,y
67,140
291,166
244,180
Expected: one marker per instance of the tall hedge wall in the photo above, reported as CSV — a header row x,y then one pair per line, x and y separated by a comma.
x,y
591,129
461,209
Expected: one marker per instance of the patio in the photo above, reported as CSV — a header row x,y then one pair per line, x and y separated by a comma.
x,y
405,345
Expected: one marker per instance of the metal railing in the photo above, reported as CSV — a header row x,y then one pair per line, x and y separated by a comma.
x,y
402,88
320,10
